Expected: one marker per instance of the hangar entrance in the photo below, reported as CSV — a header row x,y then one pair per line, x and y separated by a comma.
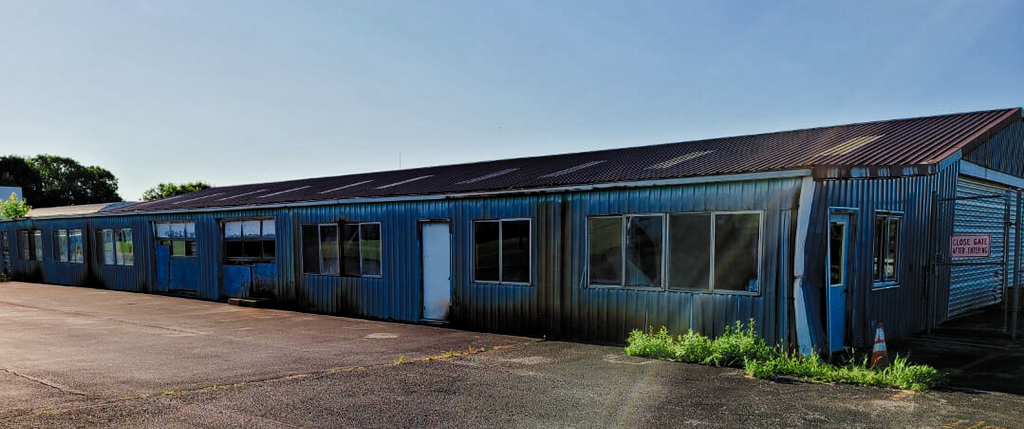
x,y
979,252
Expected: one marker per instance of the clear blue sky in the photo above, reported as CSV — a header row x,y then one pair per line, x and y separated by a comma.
x,y
234,92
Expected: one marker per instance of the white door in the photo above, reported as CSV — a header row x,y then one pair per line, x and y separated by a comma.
x,y
436,251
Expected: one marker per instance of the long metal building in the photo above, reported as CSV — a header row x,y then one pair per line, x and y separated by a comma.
x,y
814,234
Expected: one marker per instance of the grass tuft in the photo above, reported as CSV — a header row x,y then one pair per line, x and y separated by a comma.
x,y
741,347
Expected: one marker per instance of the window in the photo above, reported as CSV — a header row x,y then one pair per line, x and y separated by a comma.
x,y
67,246
249,241
885,260
501,251
179,237
696,251
320,249
30,245
116,245
351,249
360,249
639,262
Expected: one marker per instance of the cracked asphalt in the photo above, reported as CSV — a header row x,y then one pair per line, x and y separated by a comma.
x,y
78,357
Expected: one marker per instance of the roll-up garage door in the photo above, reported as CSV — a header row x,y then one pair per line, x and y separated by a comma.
x,y
976,286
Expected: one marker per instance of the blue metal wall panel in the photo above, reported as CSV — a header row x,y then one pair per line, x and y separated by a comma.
x,y
904,309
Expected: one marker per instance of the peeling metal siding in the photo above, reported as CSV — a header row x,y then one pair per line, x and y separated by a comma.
x,y
903,309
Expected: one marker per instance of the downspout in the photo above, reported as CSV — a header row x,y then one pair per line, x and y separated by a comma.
x,y
803,221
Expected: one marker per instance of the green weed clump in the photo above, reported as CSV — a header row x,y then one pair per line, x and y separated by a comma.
x,y
742,348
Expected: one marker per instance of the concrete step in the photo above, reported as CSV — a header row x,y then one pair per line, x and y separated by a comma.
x,y
250,302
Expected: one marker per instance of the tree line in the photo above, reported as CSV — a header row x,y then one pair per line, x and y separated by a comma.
x,y
54,181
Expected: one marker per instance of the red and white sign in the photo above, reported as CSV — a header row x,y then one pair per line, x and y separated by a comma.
x,y
970,246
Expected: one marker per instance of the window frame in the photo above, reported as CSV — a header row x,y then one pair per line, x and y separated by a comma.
x,y
187,242
666,253
623,233
501,260
69,255
30,245
261,238
878,266
118,237
341,249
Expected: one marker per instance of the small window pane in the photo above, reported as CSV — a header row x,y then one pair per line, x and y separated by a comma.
x,y
163,230
108,247
369,248
37,238
177,230
893,246
269,249
24,252
233,230
329,250
836,247
350,249
253,249
310,249
76,246
485,251
604,235
690,251
737,241
233,249
268,228
60,245
643,250
177,247
251,228
515,251
190,248
190,230
126,248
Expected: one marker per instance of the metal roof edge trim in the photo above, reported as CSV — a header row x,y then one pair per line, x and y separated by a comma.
x,y
842,171
982,135
971,169
741,177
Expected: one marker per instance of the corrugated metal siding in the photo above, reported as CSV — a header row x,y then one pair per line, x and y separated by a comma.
x,y
608,314
976,286
1004,152
904,309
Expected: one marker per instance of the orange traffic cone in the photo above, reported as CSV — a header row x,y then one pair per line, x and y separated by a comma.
x,y
879,356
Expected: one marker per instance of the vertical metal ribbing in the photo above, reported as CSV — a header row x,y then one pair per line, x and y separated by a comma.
x,y
1016,268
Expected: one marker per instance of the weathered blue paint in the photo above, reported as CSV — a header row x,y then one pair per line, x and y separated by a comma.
x,y
163,273
236,281
264,281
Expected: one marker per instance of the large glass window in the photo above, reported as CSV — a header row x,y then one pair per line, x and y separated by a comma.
x,y
885,261
178,237
641,257
361,249
501,251
320,250
689,244
703,251
117,245
249,241
67,246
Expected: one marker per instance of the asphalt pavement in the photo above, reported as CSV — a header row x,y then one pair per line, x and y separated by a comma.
x,y
79,357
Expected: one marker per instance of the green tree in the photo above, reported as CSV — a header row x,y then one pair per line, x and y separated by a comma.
x,y
64,182
18,171
167,190
14,208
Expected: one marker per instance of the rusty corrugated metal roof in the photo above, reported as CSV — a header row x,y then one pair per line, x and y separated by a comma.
x,y
883,148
